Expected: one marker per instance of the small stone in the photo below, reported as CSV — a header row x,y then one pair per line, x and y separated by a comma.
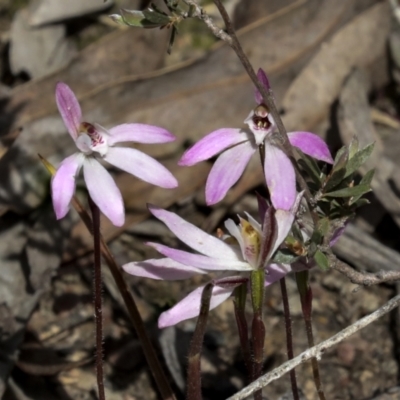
x,y
37,51
50,11
346,353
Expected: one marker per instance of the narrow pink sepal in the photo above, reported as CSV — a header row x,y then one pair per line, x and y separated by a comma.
x,y
312,145
161,269
337,234
227,170
63,183
262,77
275,272
140,133
262,206
193,236
212,144
284,220
189,307
69,108
280,178
141,165
104,191
200,261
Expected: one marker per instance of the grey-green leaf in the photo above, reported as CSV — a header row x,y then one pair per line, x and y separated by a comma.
x,y
353,147
350,191
366,180
360,202
359,159
137,18
311,167
341,154
322,260
335,179
118,19
284,256
323,226
156,17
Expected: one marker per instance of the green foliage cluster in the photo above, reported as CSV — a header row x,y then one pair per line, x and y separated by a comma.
x,y
336,194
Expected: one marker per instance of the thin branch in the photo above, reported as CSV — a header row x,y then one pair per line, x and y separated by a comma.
x,y
216,30
362,278
316,351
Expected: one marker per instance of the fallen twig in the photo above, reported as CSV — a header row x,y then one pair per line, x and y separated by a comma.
x,y
316,351
363,278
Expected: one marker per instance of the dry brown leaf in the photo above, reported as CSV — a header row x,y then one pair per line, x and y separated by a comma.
x,y
7,140
358,44
354,119
248,11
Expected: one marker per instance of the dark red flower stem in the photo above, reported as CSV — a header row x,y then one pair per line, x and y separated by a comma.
x,y
306,298
97,298
193,391
258,337
289,337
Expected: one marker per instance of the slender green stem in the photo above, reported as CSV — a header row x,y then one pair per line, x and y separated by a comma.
x,y
97,299
241,322
258,337
257,328
289,337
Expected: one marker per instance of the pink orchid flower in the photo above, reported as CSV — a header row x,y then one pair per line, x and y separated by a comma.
x,y
238,146
95,143
240,251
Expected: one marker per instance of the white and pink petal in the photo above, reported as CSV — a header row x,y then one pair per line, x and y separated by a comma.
x,y
104,191
63,183
275,272
227,170
189,307
200,261
140,133
69,108
141,165
312,145
212,144
192,236
280,177
284,220
161,269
